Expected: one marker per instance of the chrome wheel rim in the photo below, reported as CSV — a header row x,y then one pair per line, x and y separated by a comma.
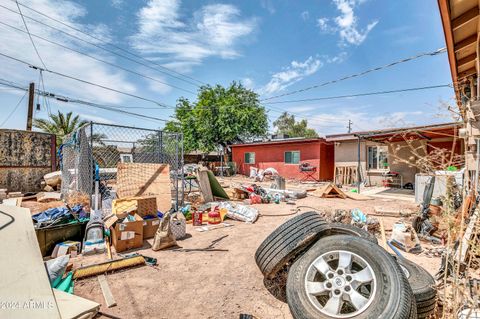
x,y
340,284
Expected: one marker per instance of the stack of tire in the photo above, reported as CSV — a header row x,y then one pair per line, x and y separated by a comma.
x,y
338,271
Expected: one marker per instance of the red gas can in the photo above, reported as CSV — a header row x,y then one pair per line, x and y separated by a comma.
x,y
197,218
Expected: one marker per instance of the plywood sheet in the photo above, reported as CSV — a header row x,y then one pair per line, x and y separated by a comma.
x,y
145,179
24,285
71,306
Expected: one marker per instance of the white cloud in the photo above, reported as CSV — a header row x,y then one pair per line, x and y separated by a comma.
x,y
323,25
268,5
58,59
248,83
305,15
96,118
291,74
117,4
339,58
213,31
346,24
336,122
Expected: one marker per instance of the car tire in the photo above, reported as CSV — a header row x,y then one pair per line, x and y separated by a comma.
x,y
293,237
288,240
343,276
347,229
423,287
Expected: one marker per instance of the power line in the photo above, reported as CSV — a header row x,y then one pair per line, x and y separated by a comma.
x,y
66,99
16,86
115,46
13,111
433,53
86,82
29,35
99,60
363,94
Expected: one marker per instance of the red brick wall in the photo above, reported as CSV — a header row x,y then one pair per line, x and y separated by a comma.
x,y
317,153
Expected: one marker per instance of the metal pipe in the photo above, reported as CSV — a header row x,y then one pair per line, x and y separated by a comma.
x,y
358,165
478,163
182,163
125,126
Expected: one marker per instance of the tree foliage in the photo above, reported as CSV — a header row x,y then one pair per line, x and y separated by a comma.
x,y
59,124
286,124
220,116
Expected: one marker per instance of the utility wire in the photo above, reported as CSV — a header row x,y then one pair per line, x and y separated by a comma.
x,y
13,111
16,86
66,99
29,35
363,94
86,82
101,47
115,46
433,53
99,60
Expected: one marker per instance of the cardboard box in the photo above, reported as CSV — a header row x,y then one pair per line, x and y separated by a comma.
x,y
141,205
150,227
127,235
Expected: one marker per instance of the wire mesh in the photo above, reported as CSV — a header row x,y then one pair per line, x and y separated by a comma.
x,y
94,151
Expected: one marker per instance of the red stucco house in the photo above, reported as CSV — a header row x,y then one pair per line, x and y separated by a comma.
x,y
286,155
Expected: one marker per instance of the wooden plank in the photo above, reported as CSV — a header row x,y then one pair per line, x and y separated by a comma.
x,y
468,72
383,238
145,179
24,279
357,196
71,306
466,42
204,184
465,18
467,59
48,196
107,293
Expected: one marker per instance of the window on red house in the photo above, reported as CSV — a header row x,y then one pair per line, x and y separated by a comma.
x,y
292,157
250,158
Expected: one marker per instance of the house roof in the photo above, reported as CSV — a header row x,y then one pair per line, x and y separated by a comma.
x,y
291,140
427,131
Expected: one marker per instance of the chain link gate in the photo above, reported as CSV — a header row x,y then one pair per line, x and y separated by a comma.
x,y
93,151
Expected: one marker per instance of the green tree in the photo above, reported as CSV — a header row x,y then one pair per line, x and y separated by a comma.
x,y
220,116
59,124
286,124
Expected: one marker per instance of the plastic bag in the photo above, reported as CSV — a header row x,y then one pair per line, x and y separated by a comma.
x,y
164,237
56,268
240,212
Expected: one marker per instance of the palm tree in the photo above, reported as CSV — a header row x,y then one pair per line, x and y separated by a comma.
x,y
59,124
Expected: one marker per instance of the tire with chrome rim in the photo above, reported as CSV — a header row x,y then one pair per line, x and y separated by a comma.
x,y
343,276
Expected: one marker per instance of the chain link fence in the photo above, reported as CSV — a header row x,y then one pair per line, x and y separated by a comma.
x,y
93,152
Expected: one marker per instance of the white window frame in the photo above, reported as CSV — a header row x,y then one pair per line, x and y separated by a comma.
x,y
245,155
378,166
124,156
285,157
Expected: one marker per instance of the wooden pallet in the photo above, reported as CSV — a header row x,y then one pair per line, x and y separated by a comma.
x,y
345,175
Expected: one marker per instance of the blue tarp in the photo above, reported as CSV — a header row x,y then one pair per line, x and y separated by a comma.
x,y
55,213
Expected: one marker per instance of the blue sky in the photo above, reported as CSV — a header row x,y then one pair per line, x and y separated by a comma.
x,y
273,47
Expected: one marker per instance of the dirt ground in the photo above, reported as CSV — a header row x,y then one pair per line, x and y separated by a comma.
x,y
216,284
